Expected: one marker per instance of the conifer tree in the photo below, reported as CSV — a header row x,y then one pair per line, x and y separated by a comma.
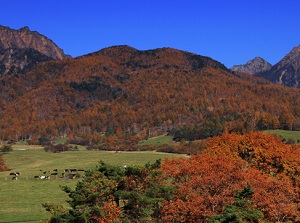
x,y
240,211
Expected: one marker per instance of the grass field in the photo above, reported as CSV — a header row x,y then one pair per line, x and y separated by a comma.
x,y
286,134
164,139
21,200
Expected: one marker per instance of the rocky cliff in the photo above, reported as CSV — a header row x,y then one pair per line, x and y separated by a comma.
x,y
21,49
24,38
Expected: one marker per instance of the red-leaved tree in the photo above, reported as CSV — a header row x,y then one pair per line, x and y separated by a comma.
x,y
208,181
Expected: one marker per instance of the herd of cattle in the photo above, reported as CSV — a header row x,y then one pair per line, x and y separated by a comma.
x,y
47,175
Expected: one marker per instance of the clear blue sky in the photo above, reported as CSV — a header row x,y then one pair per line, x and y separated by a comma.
x,y
230,31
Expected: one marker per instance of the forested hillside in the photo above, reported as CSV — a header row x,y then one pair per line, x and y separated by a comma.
x,y
132,94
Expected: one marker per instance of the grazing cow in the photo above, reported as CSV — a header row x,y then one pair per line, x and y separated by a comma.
x,y
55,170
37,177
44,177
72,176
15,174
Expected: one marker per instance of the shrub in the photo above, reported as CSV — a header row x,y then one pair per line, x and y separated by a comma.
x,y
6,149
290,141
57,148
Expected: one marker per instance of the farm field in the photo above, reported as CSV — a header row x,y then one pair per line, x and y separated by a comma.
x,y
286,134
21,200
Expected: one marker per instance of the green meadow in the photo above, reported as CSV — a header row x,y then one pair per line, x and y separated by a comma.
x,y
286,134
159,140
21,200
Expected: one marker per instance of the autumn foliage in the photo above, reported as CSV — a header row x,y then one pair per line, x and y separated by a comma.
x,y
261,151
120,92
207,182
3,166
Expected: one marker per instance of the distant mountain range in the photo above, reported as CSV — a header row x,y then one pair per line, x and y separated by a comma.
x,y
21,49
125,92
285,72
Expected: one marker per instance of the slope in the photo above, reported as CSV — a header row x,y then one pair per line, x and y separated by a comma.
x,y
127,92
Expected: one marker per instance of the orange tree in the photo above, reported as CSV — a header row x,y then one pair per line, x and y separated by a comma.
x,y
207,182
3,167
261,151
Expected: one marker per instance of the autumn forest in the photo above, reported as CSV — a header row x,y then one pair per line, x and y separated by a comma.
x,y
129,94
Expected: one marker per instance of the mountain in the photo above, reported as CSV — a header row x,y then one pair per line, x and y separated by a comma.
x,y
129,93
254,66
21,49
286,71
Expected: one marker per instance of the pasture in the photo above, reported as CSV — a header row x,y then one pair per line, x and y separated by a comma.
x,y
286,134
159,140
21,200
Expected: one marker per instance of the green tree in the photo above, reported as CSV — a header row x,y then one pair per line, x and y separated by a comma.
x,y
143,192
240,211
57,211
111,193
91,197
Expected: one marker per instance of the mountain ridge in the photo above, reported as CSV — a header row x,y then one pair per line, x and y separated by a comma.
x,y
285,72
121,89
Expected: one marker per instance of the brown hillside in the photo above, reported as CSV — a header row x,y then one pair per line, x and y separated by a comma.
x,y
124,91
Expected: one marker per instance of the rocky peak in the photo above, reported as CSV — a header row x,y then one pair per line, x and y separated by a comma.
x,y
24,38
25,28
287,70
21,49
254,66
